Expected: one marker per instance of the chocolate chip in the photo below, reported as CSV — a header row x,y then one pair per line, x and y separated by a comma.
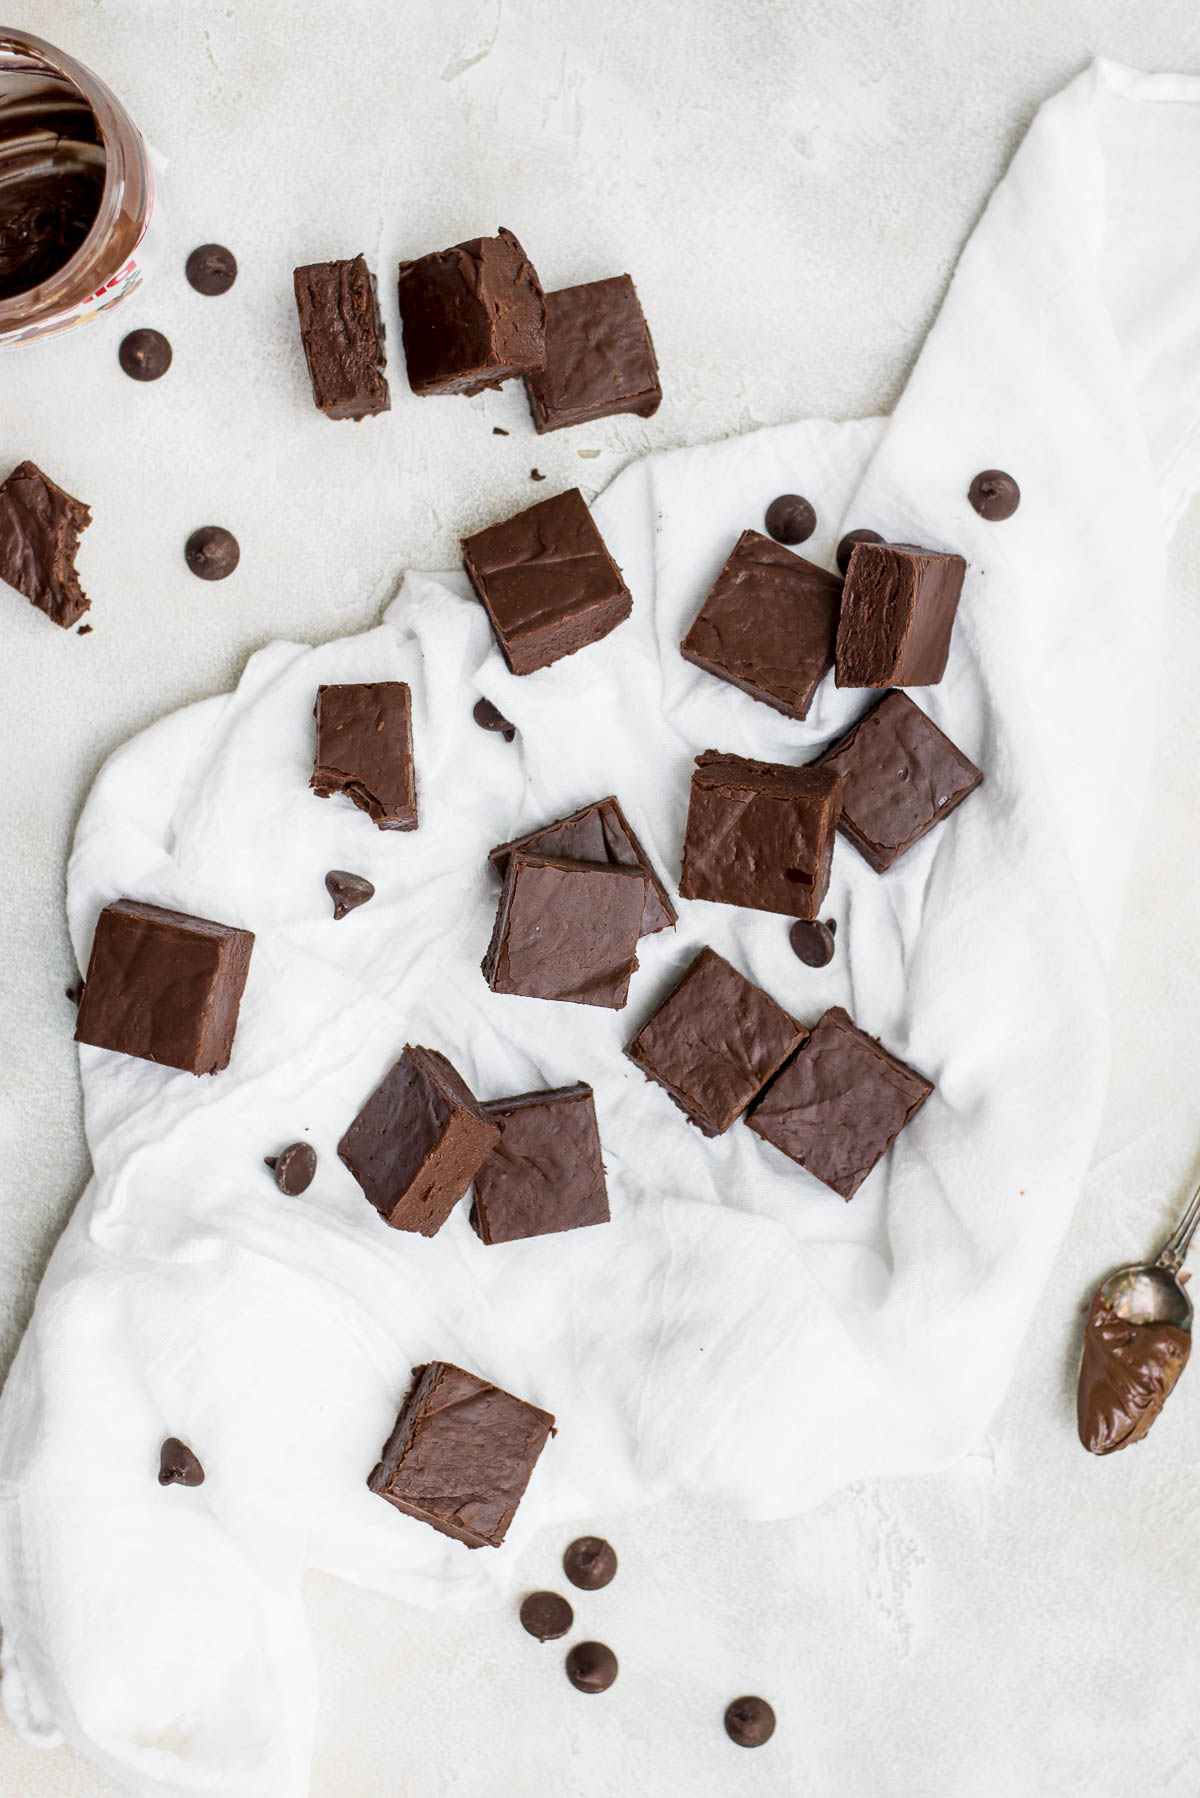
x,y
813,943
75,991
487,717
177,1465
498,431
85,630
845,548
212,268
348,891
212,552
590,1562
790,519
144,355
293,1168
749,1722
591,1667
546,1615
536,475
994,495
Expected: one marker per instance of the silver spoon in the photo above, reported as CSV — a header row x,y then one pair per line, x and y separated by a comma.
x,y
1150,1292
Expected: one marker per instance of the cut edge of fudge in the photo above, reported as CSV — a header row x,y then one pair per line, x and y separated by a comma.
x,y
723,669
327,780
37,554
517,861
216,1028
660,913
641,400
500,1111
879,856
639,1055
893,636
836,1017
365,391
506,356
426,1380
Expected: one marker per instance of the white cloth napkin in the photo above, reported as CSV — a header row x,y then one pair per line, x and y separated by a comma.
x,y
737,1330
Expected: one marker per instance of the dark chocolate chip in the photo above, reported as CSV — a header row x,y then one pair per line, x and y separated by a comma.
x,y
994,495
498,431
591,1667
535,474
488,717
212,268
75,991
845,548
813,943
144,355
590,1562
293,1168
546,1615
177,1465
212,552
348,891
85,630
749,1722
790,519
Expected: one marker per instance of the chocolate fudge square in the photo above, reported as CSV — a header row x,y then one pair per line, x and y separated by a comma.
x,y
599,357
901,775
546,1173
599,832
40,528
364,750
548,583
769,625
473,316
418,1142
461,1454
760,834
898,607
342,335
839,1104
566,930
714,1042
164,986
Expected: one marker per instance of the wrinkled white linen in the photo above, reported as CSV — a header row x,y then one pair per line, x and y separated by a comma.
x,y
736,1330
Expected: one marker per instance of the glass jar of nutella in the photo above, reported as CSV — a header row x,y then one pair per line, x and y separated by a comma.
x,y
76,193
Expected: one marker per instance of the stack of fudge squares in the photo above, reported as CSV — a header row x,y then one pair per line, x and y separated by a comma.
x,y
578,895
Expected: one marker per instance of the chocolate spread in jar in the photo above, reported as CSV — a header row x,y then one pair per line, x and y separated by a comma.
x,y
52,169
1126,1376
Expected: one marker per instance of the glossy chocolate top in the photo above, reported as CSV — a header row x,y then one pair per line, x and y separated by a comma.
x,y
901,775
599,832
599,357
461,1454
768,625
364,750
839,1104
760,834
40,527
566,930
714,1042
546,1173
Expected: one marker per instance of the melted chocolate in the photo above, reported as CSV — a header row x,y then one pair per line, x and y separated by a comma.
x,y
1126,1376
52,170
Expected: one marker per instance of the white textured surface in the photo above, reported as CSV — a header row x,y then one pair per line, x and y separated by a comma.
x,y
916,1632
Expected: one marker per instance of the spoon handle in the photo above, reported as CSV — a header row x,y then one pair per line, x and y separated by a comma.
x,y
1176,1246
